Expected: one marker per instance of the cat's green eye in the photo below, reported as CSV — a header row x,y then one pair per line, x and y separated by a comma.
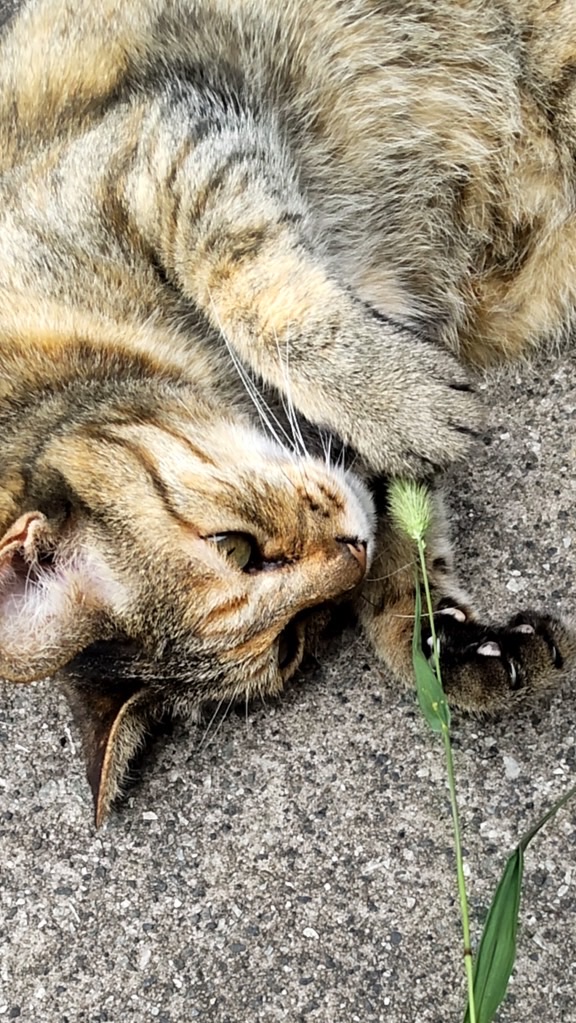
x,y
238,547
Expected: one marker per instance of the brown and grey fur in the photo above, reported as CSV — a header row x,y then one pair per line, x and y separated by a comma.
x,y
333,207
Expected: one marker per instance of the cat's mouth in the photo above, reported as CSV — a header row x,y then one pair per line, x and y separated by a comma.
x,y
291,647
305,629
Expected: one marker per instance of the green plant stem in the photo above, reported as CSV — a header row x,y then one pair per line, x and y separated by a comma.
x,y
435,651
468,963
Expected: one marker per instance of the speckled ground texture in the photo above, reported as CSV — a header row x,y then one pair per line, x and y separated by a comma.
x,y
299,866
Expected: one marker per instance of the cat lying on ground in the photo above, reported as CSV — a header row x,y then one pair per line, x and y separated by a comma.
x,y
235,235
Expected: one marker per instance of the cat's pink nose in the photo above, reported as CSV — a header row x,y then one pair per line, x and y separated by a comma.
x,y
357,548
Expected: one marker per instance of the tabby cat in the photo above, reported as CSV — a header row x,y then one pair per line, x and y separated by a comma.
x,y
239,240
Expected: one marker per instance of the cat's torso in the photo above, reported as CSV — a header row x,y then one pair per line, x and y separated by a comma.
x,y
432,144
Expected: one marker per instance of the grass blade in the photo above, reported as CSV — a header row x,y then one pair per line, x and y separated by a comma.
x,y
527,838
497,950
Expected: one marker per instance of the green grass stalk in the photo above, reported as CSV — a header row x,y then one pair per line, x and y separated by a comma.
x,y
487,977
468,960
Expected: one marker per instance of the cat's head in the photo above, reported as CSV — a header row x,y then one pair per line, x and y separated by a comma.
x,y
164,561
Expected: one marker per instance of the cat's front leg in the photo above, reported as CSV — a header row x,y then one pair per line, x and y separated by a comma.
x,y
224,216
403,403
485,667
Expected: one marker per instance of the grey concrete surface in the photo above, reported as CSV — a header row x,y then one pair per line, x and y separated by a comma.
x,y
299,866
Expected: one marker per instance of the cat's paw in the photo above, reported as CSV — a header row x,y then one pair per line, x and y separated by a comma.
x,y
417,412
487,667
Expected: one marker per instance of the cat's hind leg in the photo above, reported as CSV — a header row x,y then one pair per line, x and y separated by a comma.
x,y
485,667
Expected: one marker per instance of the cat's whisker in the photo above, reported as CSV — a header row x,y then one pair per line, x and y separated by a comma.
x,y
287,397
297,443
289,409
328,449
382,578
206,745
393,615
204,739
341,463
411,617
265,413
267,417
323,445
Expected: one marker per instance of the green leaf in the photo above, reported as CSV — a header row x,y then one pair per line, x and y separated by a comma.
x,y
497,950
527,838
428,687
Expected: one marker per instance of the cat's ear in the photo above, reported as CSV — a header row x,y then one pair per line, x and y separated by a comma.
x,y
57,601
55,598
112,718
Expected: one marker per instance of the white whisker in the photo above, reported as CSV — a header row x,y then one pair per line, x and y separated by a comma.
x,y
222,720
327,446
342,458
267,417
287,401
209,726
382,578
424,614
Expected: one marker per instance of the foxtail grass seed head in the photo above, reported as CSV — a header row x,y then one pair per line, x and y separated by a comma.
x,y
410,508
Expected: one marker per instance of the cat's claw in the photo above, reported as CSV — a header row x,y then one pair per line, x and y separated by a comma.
x,y
455,612
483,665
489,649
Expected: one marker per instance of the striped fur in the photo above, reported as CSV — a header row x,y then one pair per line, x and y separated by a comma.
x,y
339,206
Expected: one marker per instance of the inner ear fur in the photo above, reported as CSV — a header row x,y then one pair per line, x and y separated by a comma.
x,y
54,598
31,535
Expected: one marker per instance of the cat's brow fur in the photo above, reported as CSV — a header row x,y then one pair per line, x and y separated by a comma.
x,y
338,205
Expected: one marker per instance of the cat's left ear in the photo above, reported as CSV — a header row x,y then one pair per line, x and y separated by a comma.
x,y
56,597
111,710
